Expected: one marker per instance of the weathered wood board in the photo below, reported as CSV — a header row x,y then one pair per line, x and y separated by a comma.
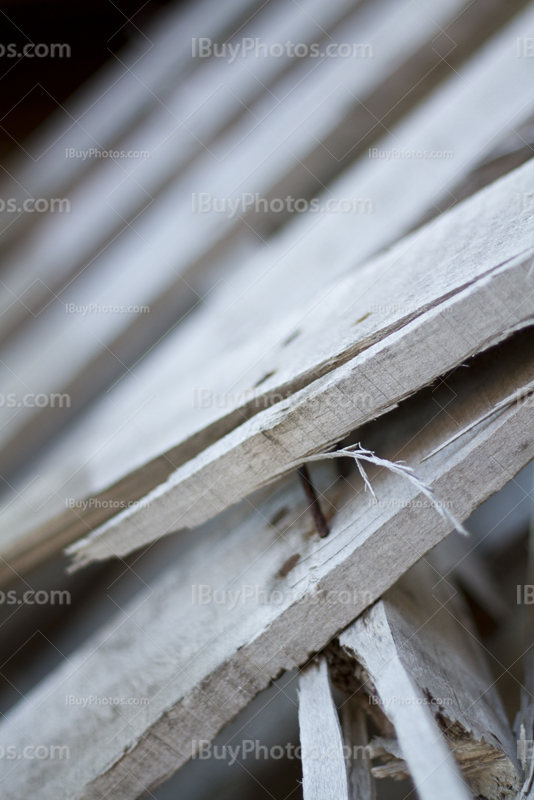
x,y
324,769
200,663
429,670
74,359
467,272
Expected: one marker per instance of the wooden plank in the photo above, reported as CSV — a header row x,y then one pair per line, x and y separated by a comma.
x,y
77,360
361,781
370,404
459,259
324,769
448,121
112,101
429,760
199,663
116,190
424,659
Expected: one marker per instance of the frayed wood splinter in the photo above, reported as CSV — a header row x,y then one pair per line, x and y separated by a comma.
x,y
359,454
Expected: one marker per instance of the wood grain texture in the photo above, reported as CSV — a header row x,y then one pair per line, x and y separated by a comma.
x,y
463,118
475,259
422,655
361,781
430,762
200,663
324,768
150,423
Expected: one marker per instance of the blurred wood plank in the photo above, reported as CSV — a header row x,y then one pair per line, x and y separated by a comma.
x,y
361,781
113,191
113,101
84,354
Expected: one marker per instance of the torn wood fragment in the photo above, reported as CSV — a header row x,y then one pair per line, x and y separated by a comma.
x,y
200,664
166,441
428,668
324,766
361,781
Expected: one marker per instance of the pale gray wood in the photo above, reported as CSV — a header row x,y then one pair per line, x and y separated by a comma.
x,y
475,258
284,125
74,345
424,659
361,781
393,764
116,190
107,444
201,664
112,100
429,760
324,768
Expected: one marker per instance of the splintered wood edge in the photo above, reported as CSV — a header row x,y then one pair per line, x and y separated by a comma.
x,y
274,441
490,458
34,546
398,641
324,768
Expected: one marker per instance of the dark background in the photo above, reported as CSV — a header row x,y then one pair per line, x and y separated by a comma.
x,y
32,88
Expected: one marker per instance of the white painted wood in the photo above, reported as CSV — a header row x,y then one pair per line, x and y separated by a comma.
x,y
424,659
201,663
394,361
235,312
324,768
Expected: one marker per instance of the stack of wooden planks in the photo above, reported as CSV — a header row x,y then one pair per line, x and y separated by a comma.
x,y
282,405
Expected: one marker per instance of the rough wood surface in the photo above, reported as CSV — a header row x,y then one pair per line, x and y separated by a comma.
x,y
324,768
78,364
137,80
238,310
361,781
428,668
199,664
368,399
458,268
430,762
